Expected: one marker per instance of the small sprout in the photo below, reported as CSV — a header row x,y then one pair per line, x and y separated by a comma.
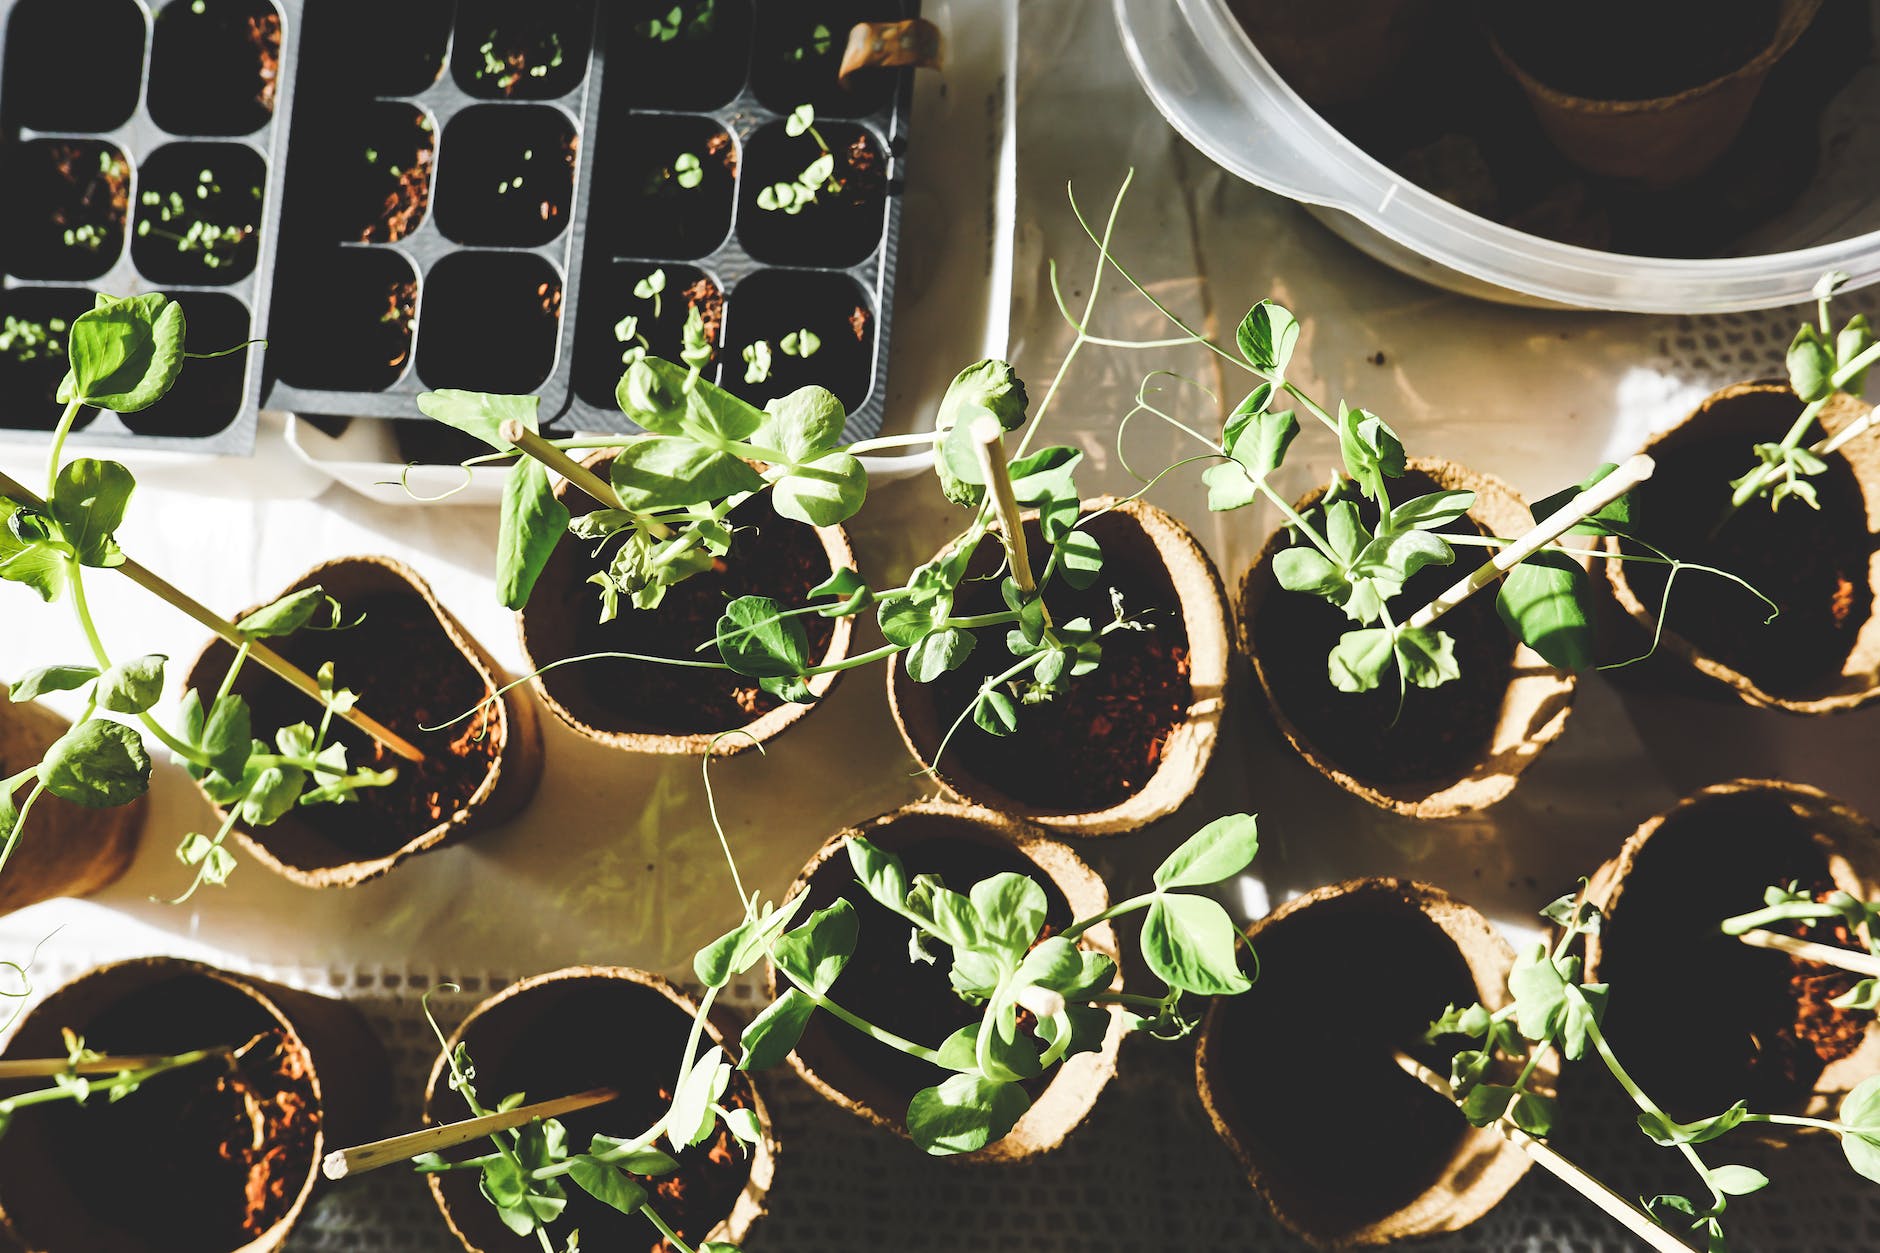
x,y
627,328
650,288
803,343
757,361
801,119
687,170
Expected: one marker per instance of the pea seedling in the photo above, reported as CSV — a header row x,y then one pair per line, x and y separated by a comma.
x,y
692,19
216,242
818,177
125,354
83,1074
1554,1010
1793,905
821,40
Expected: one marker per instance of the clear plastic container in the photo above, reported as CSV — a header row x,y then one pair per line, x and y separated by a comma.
x,y
1214,86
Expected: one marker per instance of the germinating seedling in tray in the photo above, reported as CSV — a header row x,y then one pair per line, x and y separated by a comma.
x,y
1554,1010
1000,962
818,178
125,354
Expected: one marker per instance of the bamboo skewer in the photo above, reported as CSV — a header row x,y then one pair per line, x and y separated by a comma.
x,y
532,444
987,434
167,592
1610,1202
1549,529
1828,954
356,1161
49,1067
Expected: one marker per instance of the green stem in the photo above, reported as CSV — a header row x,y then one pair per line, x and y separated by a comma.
x,y
1318,411
882,442
129,1078
1649,1106
972,622
1797,1120
75,577
1761,919
860,659
869,1029
19,821
9,786
1129,998
1134,903
57,451
672,1237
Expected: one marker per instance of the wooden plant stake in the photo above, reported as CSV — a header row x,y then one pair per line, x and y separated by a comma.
x,y
356,1161
1611,1203
1549,529
49,1067
987,438
533,445
174,596
1865,964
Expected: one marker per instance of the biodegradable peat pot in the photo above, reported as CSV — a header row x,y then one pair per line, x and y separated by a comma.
x,y
226,1160
65,849
1119,747
1455,748
644,707
1347,1148
413,666
962,844
520,1041
1654,117
1822,653
1701,1019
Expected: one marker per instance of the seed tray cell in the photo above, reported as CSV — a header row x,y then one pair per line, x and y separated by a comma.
x,y
139,143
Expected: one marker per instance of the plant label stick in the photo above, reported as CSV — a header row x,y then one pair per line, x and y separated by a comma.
x,y
1563,519
532,444
1810,950
1552,1162
356,1161
987,436
174,596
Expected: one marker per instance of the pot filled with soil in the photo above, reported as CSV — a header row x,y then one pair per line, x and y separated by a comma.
x,y
65,216
647,707
815,198
229,1148
412,663
1121,746
65,849
520,1041
962,844
1347,1148
1654,90
1769,1035
1450,749
198,213
214,66
794,328
1821,653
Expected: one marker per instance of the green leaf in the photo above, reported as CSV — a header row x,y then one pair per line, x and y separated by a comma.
x,y
228,738
1258,438
1533,1113
1428,657
97,764
88,502
1190,942
823,492
1546,601
755,639
1737,1180
964,1114
1486,1103
132,687
1217,852
28,552
802,425
288,614
1426,513
691,1117
124,353
481,414
606,1184
1267,336
1855,338
1360,658
663,397
1371,450
850,590
1811,364
664,471
935,654
880,872
815,953
1011,909
274,793
773,1034
1664,1131
36,683
986,386
533,521
650,1162
1228,487
1613,519
1080,559
1540,993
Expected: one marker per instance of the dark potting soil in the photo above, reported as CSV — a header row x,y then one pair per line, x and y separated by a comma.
x,y
1812,563
523,1046
1454,122
1699,1018
214,66
208,395
510,178
64,218
405,52
537,52
33,360
798,51
699,67
199,213
225,1147
883,984
44,94
649,213
600,355
840,227
1101,739
771,304
409,675
380,177
769,556
1633,49
1300,1071
491,323
352,328
1442,732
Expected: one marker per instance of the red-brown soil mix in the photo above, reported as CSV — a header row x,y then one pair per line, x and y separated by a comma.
x,y
542,49
402,198
634,1039
769,556
225,1148
1812,563
1312,1088
884,985
60,187
1700,1018
265,34
1822,1028
841,227
1441,732
100,190
703,295
409,675
1100,740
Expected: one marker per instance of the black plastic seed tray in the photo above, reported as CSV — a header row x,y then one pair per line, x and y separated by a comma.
x,y
139,153
477,188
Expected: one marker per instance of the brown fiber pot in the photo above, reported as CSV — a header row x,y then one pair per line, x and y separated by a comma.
x,y
1750,413
547,631
1533,709
1666,139
49,1209
549,1011
64,849
870,1079
1134,536
1675,977
295,848
1399,1162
